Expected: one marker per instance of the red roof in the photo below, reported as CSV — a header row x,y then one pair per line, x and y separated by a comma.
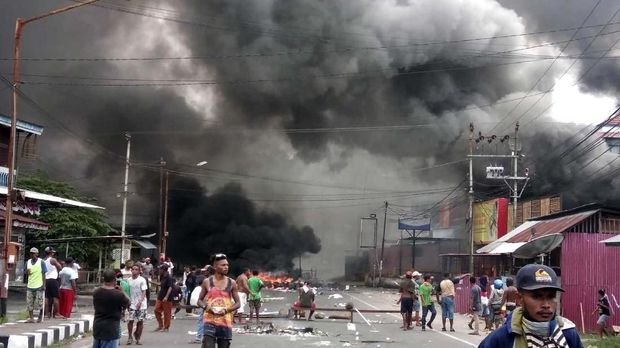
x,y
614,121
551,226
25,222
610,129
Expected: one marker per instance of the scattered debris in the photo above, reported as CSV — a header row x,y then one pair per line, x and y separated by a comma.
x,y
271,329
351,326
334,296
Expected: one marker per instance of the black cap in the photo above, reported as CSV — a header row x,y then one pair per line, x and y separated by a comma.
x,y
163,266
534,277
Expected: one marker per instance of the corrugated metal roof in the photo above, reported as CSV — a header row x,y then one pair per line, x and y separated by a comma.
x,y
495,244
506,248
552,226
21,125
50,198
26,222
145,244
533,229
612,241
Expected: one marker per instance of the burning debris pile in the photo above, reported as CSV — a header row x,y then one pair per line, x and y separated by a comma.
x,y
274,280
271,329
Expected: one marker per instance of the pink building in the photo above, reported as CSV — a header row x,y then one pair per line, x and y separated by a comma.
x,y
583,263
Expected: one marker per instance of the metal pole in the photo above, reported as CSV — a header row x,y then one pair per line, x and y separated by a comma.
x,y
383,243
160,245
99,268
376,261
166,215
8,217
515,191
413,249
125,193
471,199
400,253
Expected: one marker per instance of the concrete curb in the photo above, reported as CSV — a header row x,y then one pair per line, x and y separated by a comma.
x,y
44,336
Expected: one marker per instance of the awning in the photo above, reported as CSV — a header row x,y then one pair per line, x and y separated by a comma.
x,y
25,222
613,241
530,230
21,125
145,244
50,198
506,248
488,249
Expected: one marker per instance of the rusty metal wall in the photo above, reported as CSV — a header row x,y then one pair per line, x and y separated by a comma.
x,y
461,299
587,266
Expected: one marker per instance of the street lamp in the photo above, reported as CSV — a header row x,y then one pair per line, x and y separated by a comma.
x,y
19,26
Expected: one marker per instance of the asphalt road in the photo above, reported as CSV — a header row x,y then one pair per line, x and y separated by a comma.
x,y
383,330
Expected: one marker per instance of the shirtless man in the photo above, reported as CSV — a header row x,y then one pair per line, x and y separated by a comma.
x,y
510,299
242,286
219,298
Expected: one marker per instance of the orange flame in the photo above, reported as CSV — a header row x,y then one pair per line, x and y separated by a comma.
x,y
271,279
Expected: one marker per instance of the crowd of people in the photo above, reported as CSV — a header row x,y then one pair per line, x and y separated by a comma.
x,y
520,312
51,285
216,297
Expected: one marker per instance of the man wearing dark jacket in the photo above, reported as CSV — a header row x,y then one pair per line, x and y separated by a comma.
x,y
535,322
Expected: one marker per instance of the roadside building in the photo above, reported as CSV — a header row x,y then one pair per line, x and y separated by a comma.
x,y
571,243
27,207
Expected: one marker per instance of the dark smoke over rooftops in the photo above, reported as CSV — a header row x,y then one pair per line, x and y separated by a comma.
x,y
292,64
226,221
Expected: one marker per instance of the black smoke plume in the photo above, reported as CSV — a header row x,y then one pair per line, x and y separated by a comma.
x,y
277,66
227,222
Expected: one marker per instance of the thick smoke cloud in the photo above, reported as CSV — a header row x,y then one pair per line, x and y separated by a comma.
x,y
283,65
226,221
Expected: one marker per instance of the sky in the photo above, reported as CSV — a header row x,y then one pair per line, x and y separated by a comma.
x,y
321,111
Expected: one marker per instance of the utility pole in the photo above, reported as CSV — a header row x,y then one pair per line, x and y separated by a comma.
x,y
400,253
166,215
497,173
471,199
160,245
383,243
20,23
515,153
125,194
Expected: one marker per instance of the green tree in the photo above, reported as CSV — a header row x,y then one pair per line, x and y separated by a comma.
x,y
66,221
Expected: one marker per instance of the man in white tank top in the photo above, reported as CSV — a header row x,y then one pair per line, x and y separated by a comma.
x,y
52,286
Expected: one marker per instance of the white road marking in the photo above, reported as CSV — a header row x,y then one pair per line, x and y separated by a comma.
x,y
398,317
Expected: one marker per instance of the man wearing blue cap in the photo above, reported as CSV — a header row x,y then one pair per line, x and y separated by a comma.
x,y
535,323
